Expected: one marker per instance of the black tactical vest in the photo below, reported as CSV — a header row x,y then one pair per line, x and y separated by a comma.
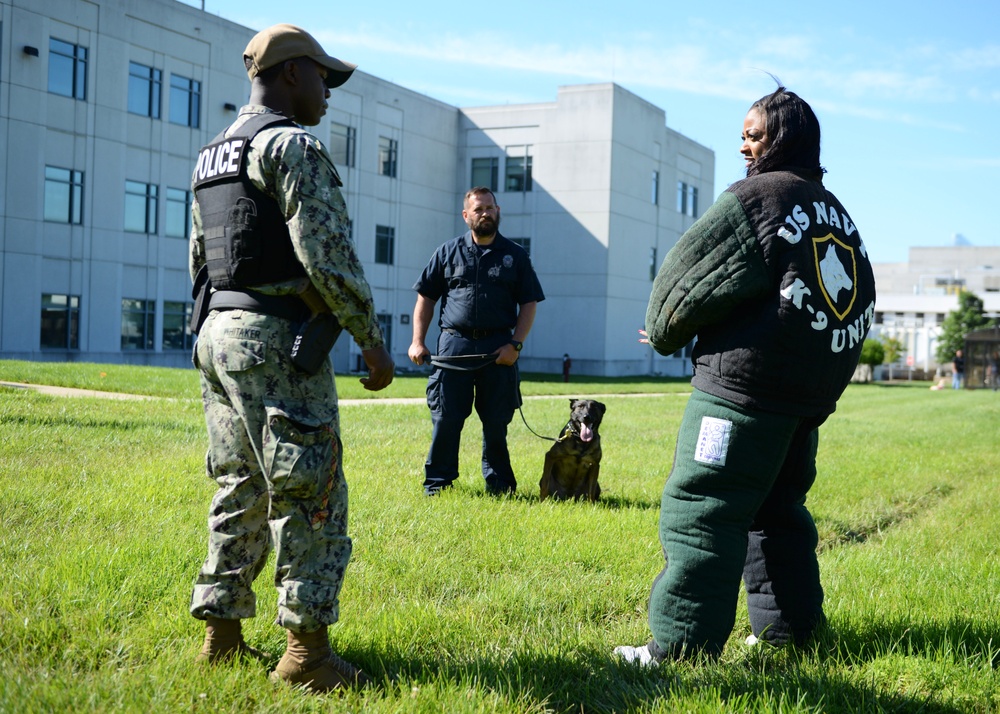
x,y
246,237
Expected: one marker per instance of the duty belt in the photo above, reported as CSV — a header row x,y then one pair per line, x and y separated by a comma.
x,y
463,363
475,333
289,307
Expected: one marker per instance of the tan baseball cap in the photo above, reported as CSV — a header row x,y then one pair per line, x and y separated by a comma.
x,y
284,42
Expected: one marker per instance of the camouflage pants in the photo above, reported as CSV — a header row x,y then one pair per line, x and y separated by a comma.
x,y
274,452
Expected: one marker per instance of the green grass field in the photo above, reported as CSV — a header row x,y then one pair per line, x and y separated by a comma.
x,y
465,603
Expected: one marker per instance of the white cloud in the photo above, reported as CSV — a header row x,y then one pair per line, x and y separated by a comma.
x,y
856,76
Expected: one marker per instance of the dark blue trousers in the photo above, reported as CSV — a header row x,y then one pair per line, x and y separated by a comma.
x,y
451,395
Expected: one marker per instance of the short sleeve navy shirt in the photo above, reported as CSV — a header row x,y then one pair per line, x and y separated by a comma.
x,y
479,287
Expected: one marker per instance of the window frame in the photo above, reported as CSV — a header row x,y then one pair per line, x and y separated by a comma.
x,y
517,170
188,92
385,245
146,311
523,241
349,140
171,209
73,199
53,312
169,327
692,200
388,157
151,83
74,59
385,323
687,199
493,169
150,206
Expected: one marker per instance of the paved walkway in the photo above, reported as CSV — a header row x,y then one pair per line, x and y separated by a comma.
x,y
72,392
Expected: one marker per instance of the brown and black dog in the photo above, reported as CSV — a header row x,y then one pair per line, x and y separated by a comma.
x,y
573,463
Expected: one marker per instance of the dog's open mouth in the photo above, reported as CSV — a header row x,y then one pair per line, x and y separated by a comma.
x,y
586,433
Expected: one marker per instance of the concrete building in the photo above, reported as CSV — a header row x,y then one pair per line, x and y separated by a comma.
x,y
104,104
914,297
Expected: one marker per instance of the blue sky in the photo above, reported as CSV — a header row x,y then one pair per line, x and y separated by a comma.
x,y
908,94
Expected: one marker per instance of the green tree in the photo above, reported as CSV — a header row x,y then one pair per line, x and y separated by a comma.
x,y
958,323
872,354
893,348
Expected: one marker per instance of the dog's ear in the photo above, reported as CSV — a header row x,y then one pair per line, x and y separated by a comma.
x,y
572,402
601,405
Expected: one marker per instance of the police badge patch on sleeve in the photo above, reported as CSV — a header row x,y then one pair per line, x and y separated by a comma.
x,y
713,441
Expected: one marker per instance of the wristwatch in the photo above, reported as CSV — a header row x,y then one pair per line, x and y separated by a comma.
x,y
517,345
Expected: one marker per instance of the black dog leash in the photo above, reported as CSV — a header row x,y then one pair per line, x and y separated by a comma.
x,y
470,363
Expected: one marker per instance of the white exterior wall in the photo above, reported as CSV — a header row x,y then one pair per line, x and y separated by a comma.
x,y
913,298
419,203
590,215
591,218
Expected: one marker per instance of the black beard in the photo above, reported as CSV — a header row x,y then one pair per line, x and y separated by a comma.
x,y
481,232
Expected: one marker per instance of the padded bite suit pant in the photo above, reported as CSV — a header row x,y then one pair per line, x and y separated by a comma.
x,y
735,503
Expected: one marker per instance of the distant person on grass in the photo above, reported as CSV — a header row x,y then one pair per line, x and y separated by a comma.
x,y
776,285
270,234
957,370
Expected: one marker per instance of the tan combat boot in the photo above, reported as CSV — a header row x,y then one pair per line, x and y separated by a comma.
x,y
308,661
223,641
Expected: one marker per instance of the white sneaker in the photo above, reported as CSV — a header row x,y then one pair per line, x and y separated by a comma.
x,y
636,655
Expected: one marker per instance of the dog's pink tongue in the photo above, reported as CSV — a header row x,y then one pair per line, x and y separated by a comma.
x,y
586,433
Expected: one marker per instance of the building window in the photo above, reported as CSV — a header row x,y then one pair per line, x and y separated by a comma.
x,y
140,207
185,101
687,199
385,244
486,172
137,324
176,333
343,140
685,351
67,69
655,188
385,322
523,242
178,213
145,87
518,174
63,195
60,322
652,264
387,155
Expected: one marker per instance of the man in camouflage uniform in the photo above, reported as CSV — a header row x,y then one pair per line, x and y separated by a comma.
x,y
274,444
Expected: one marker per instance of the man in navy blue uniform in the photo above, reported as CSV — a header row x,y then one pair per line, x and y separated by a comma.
x,y
488,292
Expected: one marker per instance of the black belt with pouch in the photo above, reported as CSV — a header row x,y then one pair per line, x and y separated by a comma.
x,y
314,341
316,335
